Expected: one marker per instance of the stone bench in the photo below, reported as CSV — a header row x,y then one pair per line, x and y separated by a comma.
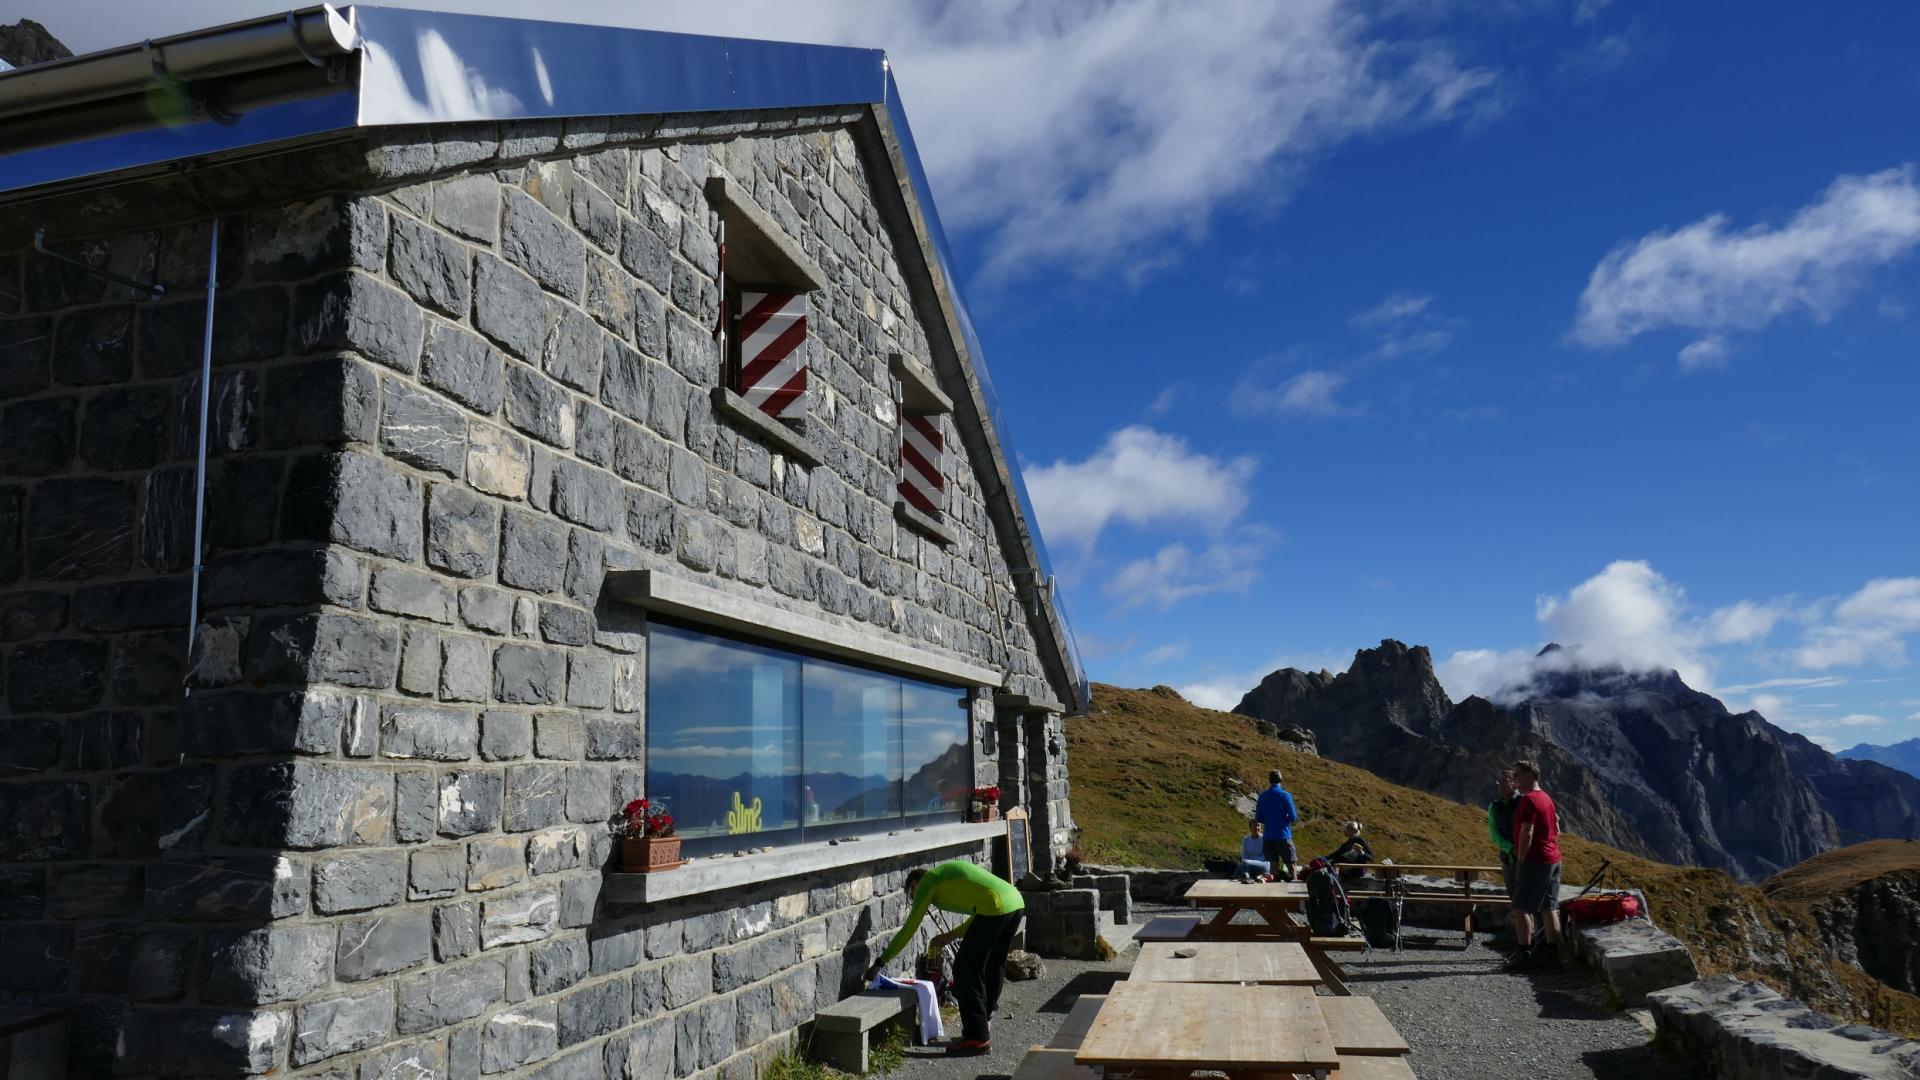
x,y
1632,958
1728,1027
842,1032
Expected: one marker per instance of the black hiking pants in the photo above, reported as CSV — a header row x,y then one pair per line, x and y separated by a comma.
x,y
979,969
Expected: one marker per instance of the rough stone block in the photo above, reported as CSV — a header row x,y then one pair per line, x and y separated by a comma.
x,y
398,590
529,675
594,1010
555,850
488,610
533,552
40,437
382,943
505,736
435,873
431,267
496,862
463,366
571,352
470,802
456,931
498,462
356,500
509,307
418,428
542,244
553,966
79,529
587,496
517,919
352,311
341,1025
299,239
202,1042
416,805
263,887
539,406
462,532
423,731
518,1037
304,804
469,206
349,650
268,964
358,882
449,994
535,797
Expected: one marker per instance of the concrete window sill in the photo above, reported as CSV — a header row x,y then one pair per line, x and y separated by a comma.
x,y
923,523
919,391
710,875
765,428
665,594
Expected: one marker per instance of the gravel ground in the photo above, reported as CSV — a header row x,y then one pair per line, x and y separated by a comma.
x,y
1464,1018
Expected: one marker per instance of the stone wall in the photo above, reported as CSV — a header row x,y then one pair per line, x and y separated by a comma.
x,y
1727,1027
453,394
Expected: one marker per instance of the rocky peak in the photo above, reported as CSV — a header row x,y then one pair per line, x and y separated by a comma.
x,y
27,42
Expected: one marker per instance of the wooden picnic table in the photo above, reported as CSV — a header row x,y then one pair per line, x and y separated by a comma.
x,y
1164,1030
1274,901
1272,963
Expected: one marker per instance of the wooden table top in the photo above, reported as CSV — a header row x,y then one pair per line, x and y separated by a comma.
x,y
1189,1026
1280,963
1359,1027
1410,868
1214,892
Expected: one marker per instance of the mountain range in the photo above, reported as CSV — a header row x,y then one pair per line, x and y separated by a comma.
x,y
1904,756
1637,760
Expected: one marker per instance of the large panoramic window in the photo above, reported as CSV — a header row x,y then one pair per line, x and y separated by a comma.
x,y
750,745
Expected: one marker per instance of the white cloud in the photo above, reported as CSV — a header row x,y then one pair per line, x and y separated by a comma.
x,y
1308,393
1711,351
1811,683
1074,131
1165,654
1222,692
1709,278
1398,306
1743,621
1871,626
1140,477
1166,399
1176,573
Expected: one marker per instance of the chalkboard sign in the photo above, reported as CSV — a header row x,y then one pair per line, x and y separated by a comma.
x,y
1019,846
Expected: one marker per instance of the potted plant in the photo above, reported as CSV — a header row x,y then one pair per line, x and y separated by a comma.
x,y
647,842
986,804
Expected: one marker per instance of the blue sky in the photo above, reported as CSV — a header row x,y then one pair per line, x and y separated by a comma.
x,y
1474,326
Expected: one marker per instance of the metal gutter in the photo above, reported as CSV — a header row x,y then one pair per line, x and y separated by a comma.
x,y
260,93
310,36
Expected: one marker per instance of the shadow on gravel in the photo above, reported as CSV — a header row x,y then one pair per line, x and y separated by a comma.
x,y
1089,982
1631,1063
1569,995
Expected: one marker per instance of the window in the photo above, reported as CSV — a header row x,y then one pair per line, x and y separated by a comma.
x,y
750,745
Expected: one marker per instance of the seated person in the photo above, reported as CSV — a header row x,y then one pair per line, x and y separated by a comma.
x,y
1253,855
1354,850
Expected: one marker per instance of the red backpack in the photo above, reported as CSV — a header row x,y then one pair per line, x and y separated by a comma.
x,y
1604,907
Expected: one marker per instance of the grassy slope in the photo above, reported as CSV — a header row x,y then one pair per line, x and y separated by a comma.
x,y
1153,776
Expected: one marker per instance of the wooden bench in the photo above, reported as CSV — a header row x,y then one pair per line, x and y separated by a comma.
x,y
1360,1028
1079,1019
842,1032
1052,1063
1355,1067
1167,928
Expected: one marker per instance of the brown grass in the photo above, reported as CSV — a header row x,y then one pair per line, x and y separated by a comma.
x,y
1153,778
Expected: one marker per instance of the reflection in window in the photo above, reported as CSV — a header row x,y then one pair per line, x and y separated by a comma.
x,y
745,740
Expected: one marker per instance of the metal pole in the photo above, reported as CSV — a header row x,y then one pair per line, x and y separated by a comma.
x,y
200,465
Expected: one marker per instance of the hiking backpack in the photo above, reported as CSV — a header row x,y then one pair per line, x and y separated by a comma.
x,y
1328,913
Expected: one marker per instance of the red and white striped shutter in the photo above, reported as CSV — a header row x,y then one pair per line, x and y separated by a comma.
x,y
922,454
773,353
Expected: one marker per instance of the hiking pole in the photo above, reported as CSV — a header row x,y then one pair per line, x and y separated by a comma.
x,y
1595,880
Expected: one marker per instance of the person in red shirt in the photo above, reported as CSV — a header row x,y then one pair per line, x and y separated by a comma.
x,y
1536,876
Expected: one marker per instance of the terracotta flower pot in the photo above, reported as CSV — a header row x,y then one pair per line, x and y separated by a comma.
x,y
648,854
986,812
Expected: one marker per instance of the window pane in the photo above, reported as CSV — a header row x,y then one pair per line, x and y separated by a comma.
x,y
852,754
937,761
723,736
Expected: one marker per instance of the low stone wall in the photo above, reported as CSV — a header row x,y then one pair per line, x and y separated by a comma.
x,y
1727,1027
1115,889
1149,885
1632,957
1064,923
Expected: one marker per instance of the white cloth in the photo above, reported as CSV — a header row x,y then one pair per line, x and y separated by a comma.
x,y
930,1026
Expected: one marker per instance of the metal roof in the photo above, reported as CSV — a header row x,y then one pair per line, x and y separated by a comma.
x,y
271,84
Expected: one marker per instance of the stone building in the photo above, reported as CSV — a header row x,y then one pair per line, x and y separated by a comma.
x,y
497,536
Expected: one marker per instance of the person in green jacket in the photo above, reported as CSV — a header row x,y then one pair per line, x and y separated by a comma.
x,y
994,909
1500,826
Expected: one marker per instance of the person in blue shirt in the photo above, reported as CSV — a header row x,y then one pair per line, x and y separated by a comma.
x,y
1253,854
1276,813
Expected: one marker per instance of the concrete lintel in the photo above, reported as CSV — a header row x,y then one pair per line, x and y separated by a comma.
x,y
757,247
919,389
923,523
710,875
1026,703
765,428
668,595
